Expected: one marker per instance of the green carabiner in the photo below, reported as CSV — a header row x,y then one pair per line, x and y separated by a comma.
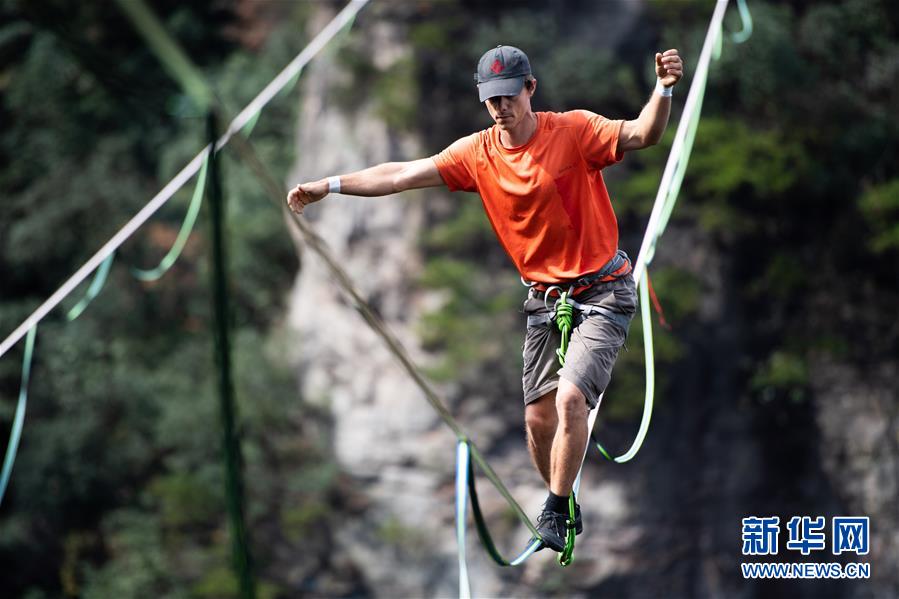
x,y
567,554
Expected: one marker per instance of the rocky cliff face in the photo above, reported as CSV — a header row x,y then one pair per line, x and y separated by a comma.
x,y
667,524
857,415
385,435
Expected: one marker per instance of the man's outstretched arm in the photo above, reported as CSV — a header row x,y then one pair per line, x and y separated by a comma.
x,y
380,180
647,129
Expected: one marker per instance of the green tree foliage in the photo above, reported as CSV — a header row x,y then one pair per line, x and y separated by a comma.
x,y
475,303
118,488
880,207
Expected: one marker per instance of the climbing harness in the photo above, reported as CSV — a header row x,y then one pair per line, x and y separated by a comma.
x,y
562,313
563,310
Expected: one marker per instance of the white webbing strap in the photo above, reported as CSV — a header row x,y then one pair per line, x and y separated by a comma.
x,y
665,197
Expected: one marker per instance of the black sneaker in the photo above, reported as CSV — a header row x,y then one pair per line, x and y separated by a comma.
x,y
552,528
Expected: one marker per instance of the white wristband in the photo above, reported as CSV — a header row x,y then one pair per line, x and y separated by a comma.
x,y
333,184
663,91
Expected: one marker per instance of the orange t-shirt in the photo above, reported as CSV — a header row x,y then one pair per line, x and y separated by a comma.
x,y
546,199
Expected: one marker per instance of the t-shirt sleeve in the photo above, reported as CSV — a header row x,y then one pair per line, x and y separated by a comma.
x,y
598,138
457,164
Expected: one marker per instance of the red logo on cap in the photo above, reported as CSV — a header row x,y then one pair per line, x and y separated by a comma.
x,y
497,66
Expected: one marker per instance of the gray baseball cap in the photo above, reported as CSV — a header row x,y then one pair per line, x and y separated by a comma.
x,y
501,72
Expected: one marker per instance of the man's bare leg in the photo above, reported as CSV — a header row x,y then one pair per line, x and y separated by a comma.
x,y
557,435
570,438
541,420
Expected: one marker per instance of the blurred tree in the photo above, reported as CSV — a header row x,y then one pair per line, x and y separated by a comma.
x,y
118,487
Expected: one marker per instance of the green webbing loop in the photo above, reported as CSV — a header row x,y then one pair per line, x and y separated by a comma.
x,y
480,522
603,451
649,359
741,36
564,319
95,287
465,470
187,226
19,420
567,554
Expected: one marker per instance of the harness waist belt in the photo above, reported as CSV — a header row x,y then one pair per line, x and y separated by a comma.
x,y
608,270
617,261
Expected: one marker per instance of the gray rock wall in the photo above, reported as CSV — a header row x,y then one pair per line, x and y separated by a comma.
x,y
385,435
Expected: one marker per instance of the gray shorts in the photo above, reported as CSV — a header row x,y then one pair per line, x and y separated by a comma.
x,y
593,348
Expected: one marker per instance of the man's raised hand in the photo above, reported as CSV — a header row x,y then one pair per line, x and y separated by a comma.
x,y
306,193
669,67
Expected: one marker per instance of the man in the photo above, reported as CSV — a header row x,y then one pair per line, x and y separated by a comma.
x,y
539,177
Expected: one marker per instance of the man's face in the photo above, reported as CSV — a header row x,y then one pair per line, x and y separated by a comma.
x,y
508,111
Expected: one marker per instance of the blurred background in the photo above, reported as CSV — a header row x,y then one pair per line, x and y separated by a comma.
x,y
779,277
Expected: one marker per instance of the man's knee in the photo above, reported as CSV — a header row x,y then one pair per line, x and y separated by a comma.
x,y
571,404
540,415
